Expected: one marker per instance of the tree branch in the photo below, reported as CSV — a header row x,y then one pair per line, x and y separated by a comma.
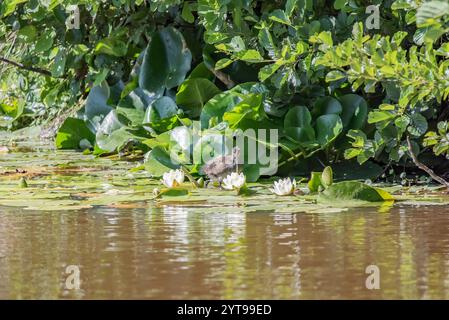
x,y
22,66
223,77
423,167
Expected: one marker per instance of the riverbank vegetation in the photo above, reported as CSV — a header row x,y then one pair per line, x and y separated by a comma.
x,y
369,101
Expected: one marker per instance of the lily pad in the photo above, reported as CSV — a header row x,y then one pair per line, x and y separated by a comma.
x,y
354,190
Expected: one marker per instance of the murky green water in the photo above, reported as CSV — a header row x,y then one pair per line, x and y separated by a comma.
x,y
100,216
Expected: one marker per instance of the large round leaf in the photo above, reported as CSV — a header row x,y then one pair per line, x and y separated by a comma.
x,y
166,62
112,134
298,116
194,93
217,106
161,115
72,132
297,124
355,111
158,161
97,106
354,190
249,108
327,105
328,127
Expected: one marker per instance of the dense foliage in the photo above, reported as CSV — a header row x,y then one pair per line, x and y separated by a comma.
x,y
138,73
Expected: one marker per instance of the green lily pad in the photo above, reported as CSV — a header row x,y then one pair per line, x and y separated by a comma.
x,y
354,190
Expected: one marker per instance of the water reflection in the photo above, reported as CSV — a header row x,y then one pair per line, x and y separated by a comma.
x,y
175,252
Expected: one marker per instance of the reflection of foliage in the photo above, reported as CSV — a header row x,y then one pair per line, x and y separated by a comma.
x,y
147,69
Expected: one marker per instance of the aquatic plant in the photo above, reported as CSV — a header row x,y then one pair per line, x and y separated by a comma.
x,y
173,178
234,181
135,75
284,187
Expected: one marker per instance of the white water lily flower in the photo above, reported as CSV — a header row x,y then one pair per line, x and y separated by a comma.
x,y
234,181
284,187
173,178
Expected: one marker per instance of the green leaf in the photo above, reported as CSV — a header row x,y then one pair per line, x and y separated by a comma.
x,y
111,46
298,116
335,75
217,106
251,172
354,111
267,71
28,33
431,10
71,133
202,71
174,192
134,116
10,6
11,111
340,4
112,134
378,116
45,42
418,125
267,42
58,66
249,108
279,15
327,105
328,127
314,183
327,178
186,13
161,115
223,63
353,190
158,161
290,7
297,125
209,146
193,94
97,107
250,56
166,62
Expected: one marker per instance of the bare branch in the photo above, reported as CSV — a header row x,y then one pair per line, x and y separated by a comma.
x,y
423,167
28,68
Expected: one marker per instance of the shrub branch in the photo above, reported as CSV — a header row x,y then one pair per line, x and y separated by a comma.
x,y
28,68
423,167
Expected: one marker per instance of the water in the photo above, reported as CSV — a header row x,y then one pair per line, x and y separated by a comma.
x,y
95,215
184,254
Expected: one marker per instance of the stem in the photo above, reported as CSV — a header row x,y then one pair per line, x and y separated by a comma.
x,y
223,77
423,167
296,156
189,176
28,68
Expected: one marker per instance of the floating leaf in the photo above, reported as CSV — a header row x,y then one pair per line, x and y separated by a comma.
x,y
354,190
